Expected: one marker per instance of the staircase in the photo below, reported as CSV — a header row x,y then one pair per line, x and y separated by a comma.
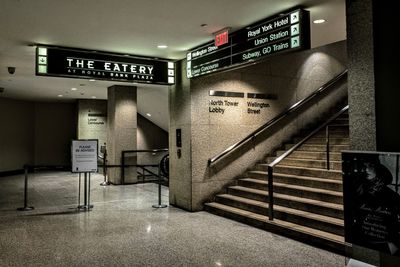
x,y
308,198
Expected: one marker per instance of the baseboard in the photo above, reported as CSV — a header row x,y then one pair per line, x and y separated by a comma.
x,y
11,173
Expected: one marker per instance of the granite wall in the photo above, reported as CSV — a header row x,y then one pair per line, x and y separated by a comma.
x,y
16,134
92,120
35,133
206,131
55,127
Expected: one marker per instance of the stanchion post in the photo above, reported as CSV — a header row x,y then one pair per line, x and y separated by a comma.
x,y
25,207
79,191
106,182
159,205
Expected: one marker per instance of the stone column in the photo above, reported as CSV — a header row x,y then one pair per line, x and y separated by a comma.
x,y
361,81
121,130
180,176
369,96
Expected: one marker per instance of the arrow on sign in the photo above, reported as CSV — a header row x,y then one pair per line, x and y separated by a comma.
x,y
295,29
295,42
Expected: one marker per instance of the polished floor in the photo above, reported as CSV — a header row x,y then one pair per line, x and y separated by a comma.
x,y
124,230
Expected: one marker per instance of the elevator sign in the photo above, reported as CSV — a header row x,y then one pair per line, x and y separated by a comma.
x,y
75,63
281,34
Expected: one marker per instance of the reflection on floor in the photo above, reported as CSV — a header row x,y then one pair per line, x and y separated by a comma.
x,y
124,230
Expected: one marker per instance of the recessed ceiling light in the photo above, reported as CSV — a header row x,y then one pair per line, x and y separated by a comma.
x,y
60,95
93,96
162,46
148,114
92,80
319,21
73,89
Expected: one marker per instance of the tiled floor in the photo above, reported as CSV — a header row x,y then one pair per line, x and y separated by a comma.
x,y
124,230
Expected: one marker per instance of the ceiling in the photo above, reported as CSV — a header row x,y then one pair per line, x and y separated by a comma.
x,y
131,27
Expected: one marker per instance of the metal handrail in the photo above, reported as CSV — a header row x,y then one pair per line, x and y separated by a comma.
x,y
278,118
287,153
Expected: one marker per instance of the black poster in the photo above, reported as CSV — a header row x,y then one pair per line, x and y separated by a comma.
x,y
75,63
372,200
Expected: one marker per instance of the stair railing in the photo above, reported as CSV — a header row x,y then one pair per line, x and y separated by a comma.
x,y
287,153
278,118
327,134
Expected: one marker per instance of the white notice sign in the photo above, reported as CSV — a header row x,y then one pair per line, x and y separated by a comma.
x,y
84,155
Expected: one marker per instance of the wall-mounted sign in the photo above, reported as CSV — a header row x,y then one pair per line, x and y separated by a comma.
x,y
84,155
371,189
284,33
74,63
254,106
97,119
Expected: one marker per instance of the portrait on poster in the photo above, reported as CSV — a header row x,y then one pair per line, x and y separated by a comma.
x,y
372,200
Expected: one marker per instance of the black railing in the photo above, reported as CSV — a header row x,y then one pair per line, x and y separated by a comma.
x,y
145,172
125,152
278,118
287,153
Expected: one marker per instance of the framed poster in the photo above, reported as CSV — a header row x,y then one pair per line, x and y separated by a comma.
x,y
84,155
372,200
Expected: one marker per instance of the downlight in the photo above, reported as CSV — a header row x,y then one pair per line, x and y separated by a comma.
x,y
319,21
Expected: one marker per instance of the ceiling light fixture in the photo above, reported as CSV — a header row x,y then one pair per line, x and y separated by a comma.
x,y
93,96
148,114
319,21
92,80
162,46
60,95
73,89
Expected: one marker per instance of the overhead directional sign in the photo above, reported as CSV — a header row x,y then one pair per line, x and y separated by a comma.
x,y
284,33
77,63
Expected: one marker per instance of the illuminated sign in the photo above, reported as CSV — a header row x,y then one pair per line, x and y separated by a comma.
x,y
221,37
280,34
74,63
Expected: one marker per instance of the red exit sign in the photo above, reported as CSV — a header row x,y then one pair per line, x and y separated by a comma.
x,y
221,38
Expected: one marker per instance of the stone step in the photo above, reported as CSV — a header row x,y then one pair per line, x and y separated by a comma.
x,y
302,171
336,156
322,140
304,204
316,221
319,148
321,183
305,234
294,190
339,134
308,163
332,131
332,141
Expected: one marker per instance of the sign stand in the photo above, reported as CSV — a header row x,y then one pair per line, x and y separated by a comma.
x,y
86,193
84,160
